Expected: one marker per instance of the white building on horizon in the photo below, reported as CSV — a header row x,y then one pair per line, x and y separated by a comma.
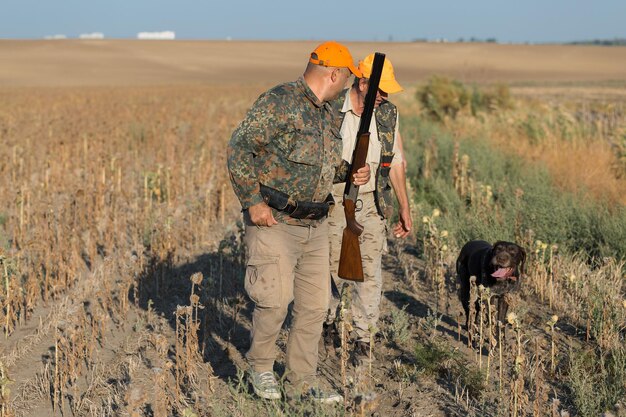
x,y
53,37
93,35
168,34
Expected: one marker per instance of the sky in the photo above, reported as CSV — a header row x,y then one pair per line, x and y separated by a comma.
x,y
534,21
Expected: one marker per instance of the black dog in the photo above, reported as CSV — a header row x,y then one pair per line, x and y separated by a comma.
x,y
499,267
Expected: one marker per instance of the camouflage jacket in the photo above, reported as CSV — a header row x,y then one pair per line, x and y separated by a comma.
x,y
386,115
289,141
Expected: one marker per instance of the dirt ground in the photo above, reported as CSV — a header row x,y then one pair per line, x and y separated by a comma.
x,y
127,365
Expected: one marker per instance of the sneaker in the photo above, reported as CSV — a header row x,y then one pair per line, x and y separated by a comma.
x,y
323,397
265,385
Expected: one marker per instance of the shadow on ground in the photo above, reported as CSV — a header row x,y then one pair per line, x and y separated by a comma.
x,y
163,286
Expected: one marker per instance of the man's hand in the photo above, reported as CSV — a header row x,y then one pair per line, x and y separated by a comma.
x,y
362,175
261,215
403,227
398,182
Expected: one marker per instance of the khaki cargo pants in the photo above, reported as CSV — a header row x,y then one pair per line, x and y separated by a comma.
x,y
287,263
365,296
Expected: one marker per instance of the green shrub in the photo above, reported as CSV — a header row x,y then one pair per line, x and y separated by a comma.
x,y
491,99
597,380
532,128
398,329
430,358
500,97
442,97
439,359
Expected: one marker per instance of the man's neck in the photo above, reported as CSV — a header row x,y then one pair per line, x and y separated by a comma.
x,y
316,86
358,103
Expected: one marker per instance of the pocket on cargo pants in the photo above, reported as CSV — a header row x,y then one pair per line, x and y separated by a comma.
x,y
263,281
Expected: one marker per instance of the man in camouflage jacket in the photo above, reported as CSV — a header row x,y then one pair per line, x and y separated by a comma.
x,y
386,160
289,142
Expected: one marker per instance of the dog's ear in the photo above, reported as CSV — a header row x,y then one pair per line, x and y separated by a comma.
x,y
499,243
522,267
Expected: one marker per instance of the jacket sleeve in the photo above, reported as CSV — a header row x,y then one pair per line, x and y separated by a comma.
x,y
341,172
248,140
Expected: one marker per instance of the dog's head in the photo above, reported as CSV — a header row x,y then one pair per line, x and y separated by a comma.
x,y
507,261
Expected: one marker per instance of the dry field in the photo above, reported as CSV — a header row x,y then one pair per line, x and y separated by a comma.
x,y
116,62
115,196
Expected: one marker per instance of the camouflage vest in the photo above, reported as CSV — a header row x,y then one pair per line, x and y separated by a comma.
x,y
386,115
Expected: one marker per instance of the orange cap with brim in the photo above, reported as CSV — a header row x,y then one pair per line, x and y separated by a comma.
x,y
334,54
388,81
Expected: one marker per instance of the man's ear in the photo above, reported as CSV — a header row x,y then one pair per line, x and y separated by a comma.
x,y
363,84
334,74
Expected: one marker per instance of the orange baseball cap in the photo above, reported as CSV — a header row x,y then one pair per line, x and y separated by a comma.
x,y
388,81
334,54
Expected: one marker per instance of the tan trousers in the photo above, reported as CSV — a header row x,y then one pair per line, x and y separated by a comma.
x,y
365,296
287,263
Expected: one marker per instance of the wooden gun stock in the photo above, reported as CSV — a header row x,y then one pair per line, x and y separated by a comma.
x,y
350,266
350,197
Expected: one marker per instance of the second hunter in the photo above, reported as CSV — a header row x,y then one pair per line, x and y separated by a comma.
x,y
375,204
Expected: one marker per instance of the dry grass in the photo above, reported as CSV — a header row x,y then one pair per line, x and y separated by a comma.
x,y
577,143
586,167
101,184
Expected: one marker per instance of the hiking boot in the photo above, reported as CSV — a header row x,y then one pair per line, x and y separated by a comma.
x,y
265,385
323,396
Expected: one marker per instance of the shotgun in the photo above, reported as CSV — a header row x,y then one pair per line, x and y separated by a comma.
x,y
350,264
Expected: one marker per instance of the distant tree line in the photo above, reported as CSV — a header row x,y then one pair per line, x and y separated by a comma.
x,y
479,40
460,40
603,42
